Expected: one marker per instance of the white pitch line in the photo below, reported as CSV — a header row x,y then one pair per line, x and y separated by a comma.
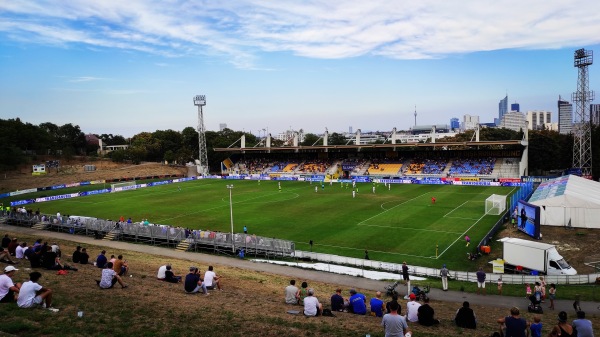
x,y
460,237
402,203
455,208
457,217
410,228
377,251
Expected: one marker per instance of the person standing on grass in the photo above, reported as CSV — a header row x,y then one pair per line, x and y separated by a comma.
x,y
500,285
481,281
109,277
33,294
211,279
444,274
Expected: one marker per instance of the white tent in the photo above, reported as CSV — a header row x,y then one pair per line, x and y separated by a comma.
x,y
568,200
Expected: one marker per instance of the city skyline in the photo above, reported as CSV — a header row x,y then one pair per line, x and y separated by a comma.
x,y
124,68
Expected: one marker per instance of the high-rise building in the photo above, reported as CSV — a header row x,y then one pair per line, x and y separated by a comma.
x,y
470,122
454,123
515,107
565,116
502,108
513,120
595,114
538,119
222,126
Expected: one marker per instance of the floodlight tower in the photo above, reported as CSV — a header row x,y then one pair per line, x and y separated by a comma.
x,y
200,101
582,131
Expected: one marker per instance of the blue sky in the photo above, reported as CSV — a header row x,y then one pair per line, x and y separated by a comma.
x,y
124,67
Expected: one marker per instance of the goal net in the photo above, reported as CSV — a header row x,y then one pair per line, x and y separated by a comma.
x,y
495,204
116,187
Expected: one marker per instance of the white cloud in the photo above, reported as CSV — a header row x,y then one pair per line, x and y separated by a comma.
x,y
240,30
85,79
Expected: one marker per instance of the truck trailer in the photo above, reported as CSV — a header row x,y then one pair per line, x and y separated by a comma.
x,y
538,256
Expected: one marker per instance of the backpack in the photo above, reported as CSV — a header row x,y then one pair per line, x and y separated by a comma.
x,y
328,313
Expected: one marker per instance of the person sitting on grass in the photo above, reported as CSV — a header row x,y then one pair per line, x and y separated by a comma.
x,y
101,260
109,277
170,276
465,317
312,307
84,258
161,272
120,266
7,287
76,255
32,294
5,257
211,279
377,305
51,261
193,283
426,313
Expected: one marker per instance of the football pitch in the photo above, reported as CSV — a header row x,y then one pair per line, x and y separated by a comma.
x,y
396,224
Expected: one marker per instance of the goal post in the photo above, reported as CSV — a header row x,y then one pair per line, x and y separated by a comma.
x,y
495,204
116,187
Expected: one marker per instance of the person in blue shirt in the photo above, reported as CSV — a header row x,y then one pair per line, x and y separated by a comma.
x,y
358,303
377,305
101,260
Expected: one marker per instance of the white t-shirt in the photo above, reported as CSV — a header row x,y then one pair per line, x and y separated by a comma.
x,y
5,284
27,294
107,277
412,311
161,272
20,252
310,305
209,276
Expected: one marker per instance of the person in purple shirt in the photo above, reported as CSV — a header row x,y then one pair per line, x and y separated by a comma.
x,y
480,280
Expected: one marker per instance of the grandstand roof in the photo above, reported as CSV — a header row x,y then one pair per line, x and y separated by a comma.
x,y
439,145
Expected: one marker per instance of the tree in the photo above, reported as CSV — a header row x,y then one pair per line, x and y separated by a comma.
x,y
337,139
310,139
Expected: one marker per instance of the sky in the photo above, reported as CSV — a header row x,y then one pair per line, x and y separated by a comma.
x,y
124,67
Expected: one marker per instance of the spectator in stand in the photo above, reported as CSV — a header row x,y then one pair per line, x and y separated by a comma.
x,y
290,293
583,325
211,279
101,260
377,305
465,317
357,303
77,255
338,303
193,283
84,257
412,308
33,294
171,277
312,307
426,313
7,287
109,277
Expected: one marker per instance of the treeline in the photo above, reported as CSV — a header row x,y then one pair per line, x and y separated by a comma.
x,y
20,143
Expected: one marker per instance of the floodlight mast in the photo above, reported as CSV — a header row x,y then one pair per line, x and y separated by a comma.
x,y
582,131
200,101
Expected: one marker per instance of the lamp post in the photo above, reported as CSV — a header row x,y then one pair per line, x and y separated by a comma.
x,y
230,187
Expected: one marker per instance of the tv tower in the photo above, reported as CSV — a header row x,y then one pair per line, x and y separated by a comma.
x,y
582,131
415,115
200,101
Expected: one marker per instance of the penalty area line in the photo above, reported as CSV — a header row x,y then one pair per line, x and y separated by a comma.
x,y
376,251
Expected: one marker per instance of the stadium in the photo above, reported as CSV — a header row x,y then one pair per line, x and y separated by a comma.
x,y
392,202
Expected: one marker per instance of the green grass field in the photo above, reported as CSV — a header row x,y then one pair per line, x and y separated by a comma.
x,y
394,225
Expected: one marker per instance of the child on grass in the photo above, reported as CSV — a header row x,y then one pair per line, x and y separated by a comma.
x,y
552,295
500,285
536,326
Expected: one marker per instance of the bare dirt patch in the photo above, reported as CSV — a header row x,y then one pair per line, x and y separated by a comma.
x,y
72,171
